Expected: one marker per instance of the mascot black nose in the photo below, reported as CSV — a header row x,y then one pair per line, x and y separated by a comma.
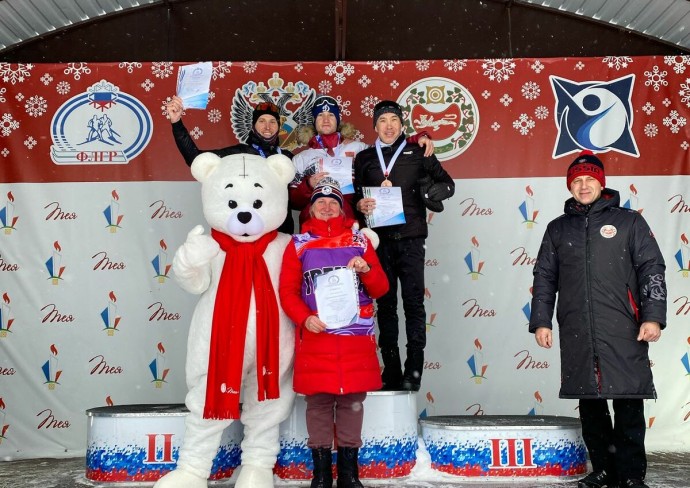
x,y
244,217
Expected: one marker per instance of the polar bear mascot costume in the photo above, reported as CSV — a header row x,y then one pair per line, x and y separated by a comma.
x,y
240,340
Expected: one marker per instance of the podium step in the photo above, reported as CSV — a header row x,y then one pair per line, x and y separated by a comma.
x,y
516,446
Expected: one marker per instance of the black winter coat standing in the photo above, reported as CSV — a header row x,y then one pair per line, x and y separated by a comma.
x,y
409,168
608,271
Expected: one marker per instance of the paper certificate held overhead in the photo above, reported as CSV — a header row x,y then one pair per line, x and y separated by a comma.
x,y
389,206
337,300
193,84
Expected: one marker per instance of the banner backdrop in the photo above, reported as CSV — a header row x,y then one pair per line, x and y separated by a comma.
x,y
95,199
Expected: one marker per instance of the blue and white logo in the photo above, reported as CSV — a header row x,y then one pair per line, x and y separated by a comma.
x,y
594,115
100,126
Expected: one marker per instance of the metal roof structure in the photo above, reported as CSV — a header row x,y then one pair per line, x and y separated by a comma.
x,y
667,21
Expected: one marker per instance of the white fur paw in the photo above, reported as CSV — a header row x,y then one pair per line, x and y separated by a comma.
x,y
180,478
372,235
254,477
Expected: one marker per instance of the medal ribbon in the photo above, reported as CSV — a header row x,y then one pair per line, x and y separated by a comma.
x,y
261,151
387,169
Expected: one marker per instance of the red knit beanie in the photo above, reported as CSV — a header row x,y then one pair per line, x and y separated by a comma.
x,y
588,164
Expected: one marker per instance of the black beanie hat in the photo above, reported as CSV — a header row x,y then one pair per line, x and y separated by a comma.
x,y
387,106
265,108
586,163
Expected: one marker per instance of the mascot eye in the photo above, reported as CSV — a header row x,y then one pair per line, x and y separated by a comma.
x,y
258,204
232,204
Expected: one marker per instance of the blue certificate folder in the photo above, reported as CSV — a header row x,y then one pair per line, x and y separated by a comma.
x,y
389,208
193,84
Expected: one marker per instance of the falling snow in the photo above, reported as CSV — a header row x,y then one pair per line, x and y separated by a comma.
x,y
14,76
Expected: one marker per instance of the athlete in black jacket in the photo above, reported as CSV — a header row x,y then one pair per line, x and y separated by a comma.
x,y
401,250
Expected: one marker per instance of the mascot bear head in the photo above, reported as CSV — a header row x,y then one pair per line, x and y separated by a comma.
x,y
244,195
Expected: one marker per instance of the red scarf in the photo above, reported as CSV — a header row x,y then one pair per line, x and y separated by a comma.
x,y
244,269
327,142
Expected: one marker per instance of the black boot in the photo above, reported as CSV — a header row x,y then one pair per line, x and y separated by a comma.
x,y
414,365
348,468
392,369
323,474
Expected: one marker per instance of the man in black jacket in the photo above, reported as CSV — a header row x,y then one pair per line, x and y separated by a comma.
x,y
390,162
606,267
262,140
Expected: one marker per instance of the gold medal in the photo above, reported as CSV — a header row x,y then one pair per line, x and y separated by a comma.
x,y
386,182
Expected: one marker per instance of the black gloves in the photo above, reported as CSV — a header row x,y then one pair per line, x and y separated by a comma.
x,y
425,184
440,191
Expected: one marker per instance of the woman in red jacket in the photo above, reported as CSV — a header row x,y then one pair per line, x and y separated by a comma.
x,y
336,362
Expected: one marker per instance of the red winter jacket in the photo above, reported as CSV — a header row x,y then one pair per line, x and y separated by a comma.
x,y
332,361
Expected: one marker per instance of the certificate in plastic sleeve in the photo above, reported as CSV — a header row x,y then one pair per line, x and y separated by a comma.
x,y
389,206
336,296
340,169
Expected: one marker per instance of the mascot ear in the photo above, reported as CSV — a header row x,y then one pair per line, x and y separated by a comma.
x,y
203,165
281,166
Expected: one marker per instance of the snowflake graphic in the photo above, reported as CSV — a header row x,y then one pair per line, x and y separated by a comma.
x,y
364,81
46,79
531,90
130,67
19,97
15,76
340,71
454,65
383,66
580,66
506,100
486,94
422,65
495,126
666,103
30,142
523,124
77,69
678,63
2,92
63,88
537,66
221,69
367,105
358,136
299,67
656,78
651,130
211,95
648,108
325,86
214,116
250,66
684,93
541,112
344,105
147,85
196,133
684,145
498,69
36,106
8,124
674,121
394,84
162,70
618,62
5,152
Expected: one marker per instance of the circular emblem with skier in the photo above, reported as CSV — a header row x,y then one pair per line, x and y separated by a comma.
x,y
446,110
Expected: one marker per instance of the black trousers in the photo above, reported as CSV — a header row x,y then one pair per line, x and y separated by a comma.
x,y
402,260
615,446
